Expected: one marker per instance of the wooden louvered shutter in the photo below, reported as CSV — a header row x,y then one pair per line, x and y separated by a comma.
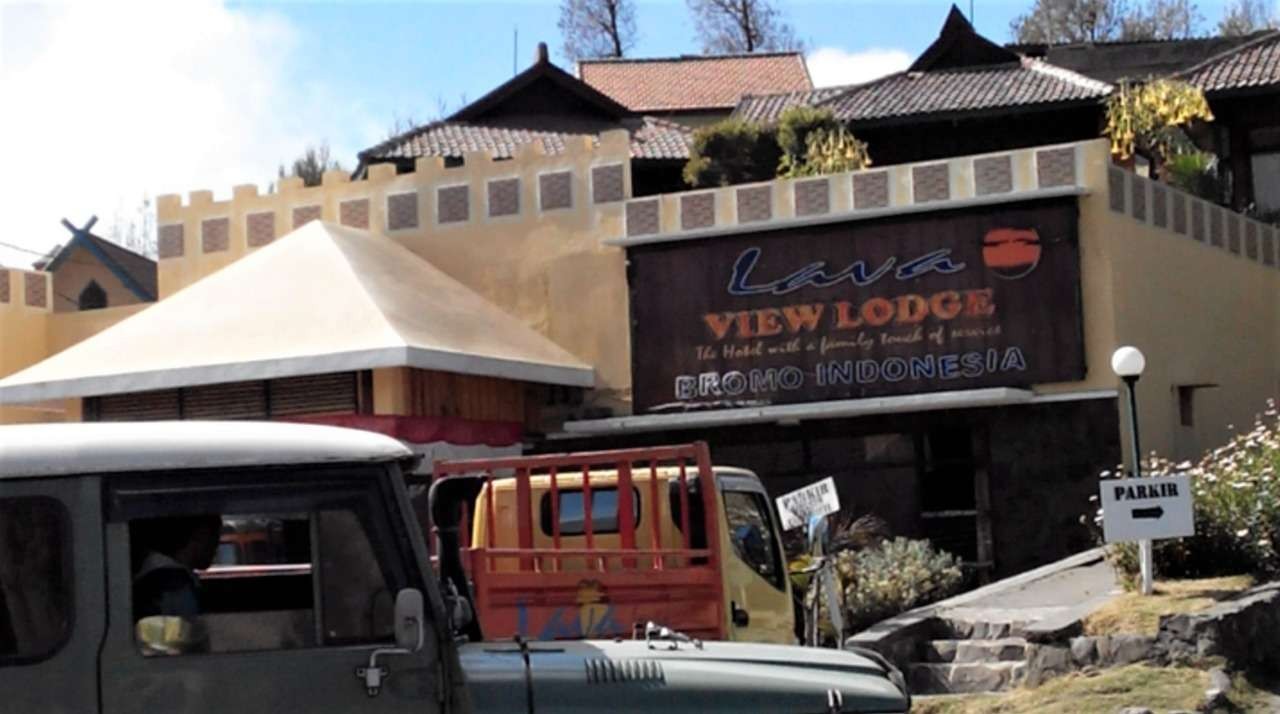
x,y
237,400
140,406
314,394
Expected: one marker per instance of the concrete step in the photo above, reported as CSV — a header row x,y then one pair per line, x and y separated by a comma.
x,y
1009,649
983,630
946,678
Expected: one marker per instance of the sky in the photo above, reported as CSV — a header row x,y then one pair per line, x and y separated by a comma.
x,y
106,103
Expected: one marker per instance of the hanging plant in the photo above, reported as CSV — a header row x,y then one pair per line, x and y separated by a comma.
x,y
813,142
1151,115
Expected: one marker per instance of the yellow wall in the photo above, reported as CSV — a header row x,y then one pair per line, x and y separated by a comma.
x,y
23,342
29,334
549,268
73,275
1199,313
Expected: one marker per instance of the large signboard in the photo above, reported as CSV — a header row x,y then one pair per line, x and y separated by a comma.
x,y
961,299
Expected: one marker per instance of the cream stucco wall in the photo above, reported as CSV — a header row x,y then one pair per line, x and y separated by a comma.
x,y
546,267
1201,314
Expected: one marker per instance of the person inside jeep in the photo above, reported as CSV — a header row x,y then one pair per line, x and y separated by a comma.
x,y
168,552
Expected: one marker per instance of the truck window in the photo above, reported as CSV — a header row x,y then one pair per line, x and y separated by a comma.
x,y
604,511
747,516
35,579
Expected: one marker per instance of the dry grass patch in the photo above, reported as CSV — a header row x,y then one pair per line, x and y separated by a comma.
x,y
1135,614
1106,691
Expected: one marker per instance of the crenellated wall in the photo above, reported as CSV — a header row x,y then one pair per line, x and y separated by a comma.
x,y
26,304
525,233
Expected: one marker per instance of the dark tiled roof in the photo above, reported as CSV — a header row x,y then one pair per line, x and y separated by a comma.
x,y
768,107
1251,66
126,264
903,95
1139,59
651,138
139,267
693,82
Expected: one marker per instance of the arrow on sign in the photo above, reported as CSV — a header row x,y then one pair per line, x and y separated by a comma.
x,y
1156,512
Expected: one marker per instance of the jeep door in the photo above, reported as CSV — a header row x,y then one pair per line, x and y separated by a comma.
x,y
51,598
280,636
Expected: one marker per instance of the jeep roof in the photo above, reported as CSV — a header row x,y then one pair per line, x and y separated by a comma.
x,y
37,450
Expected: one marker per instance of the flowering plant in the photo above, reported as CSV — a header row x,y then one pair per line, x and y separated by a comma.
x,y
1236,491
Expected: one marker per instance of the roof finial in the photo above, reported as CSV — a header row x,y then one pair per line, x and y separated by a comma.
x,y
541,56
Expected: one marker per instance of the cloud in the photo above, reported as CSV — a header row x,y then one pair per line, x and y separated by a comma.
x,y
830,66
108,102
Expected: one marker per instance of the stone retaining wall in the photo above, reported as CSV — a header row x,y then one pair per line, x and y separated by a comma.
x,y
1243,631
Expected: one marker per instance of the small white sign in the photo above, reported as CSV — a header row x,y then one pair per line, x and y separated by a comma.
x,y
1136,509
816,499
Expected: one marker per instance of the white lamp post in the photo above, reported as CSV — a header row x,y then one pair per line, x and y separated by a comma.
x,y
1128,363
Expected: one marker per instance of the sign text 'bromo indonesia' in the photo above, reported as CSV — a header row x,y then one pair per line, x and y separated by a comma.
x,y
950,300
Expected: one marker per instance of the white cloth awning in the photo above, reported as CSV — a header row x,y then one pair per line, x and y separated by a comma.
x,y
324,298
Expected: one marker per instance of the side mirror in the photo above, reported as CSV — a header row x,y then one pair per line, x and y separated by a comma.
x,y
410,620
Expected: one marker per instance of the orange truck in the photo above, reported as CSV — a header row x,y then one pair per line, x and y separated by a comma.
x,y
593,544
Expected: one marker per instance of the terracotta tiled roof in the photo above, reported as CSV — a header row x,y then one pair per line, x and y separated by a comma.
x,y
1250,66
695,82
920,94
651,138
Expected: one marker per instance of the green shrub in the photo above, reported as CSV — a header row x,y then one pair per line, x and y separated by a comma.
x,y
1196,173
1236,492
893,577
813,142
731,151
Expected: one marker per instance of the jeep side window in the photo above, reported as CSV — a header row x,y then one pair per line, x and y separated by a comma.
x,y
308,575
35,579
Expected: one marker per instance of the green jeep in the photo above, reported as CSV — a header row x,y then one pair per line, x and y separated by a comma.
x,y
111,600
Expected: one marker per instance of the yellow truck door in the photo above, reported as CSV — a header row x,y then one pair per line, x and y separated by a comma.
x,y
757,589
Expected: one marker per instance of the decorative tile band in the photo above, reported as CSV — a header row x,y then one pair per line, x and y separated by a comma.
x,y
354,213
215,235
1056,167
871,190
453,204
931,182
170,242
1211,224
260,228
303,215
607,184
1138,201
813,197
36,289
504,197
1160,206
402,211
4,285
555,191
993,174
697,210
755,204
1115,189
642,217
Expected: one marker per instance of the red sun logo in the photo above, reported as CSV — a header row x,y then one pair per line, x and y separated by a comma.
x,y
1011,253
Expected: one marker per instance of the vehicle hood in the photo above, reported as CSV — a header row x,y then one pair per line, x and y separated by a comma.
x,y
661,676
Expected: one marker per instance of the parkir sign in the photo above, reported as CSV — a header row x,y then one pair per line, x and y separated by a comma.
x,y
985,296
1135,509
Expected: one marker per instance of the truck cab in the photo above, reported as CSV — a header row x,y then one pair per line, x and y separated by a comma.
x,y
595,559
353,619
